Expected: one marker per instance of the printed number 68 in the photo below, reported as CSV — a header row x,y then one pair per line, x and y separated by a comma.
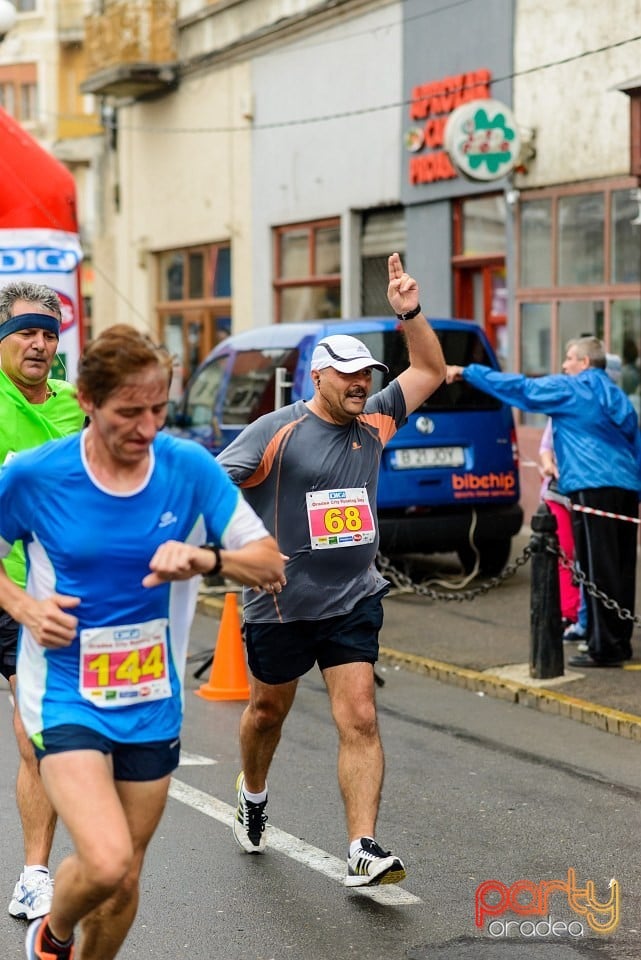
x,y
337,520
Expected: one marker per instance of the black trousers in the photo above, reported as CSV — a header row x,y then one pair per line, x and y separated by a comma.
x,y
606,551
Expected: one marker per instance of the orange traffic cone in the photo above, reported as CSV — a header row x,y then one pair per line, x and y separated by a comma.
x,y
228,677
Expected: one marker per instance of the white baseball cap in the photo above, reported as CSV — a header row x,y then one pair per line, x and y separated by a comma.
x,y
345,354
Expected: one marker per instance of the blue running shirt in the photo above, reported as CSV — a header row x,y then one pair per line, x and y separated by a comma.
x,y
83,540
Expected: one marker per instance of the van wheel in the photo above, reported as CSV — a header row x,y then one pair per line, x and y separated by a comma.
x,y
493,555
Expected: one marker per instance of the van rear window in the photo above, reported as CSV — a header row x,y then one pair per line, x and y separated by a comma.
x,y
459,347
252,384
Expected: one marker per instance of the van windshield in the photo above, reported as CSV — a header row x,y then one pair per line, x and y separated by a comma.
x,y
460,347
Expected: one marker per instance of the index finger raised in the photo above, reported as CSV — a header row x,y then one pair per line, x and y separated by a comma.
x,y
395,266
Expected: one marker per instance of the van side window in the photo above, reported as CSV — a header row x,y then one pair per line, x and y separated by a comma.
x,y
460,347
203,392
251,387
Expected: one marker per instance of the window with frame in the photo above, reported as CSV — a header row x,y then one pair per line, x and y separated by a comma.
x,y
382,231
307,271
579,272
194,306
19,91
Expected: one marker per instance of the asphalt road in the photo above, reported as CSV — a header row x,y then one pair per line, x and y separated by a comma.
x,y
477,789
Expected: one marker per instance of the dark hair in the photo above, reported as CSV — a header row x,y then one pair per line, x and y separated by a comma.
x,y
115,354
37,293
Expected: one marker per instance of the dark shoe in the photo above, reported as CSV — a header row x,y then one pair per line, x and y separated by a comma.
x,y
250,821
39,947
585,660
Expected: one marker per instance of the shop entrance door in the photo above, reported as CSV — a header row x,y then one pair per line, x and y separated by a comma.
x,y
480,294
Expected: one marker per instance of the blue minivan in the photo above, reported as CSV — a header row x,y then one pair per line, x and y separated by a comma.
x,y
449,478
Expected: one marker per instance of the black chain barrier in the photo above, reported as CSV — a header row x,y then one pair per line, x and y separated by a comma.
x,y
404,582
591,588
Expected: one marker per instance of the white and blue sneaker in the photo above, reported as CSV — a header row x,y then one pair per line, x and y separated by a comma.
x,y
32,897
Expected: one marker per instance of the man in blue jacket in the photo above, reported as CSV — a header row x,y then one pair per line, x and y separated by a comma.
x,y
598,449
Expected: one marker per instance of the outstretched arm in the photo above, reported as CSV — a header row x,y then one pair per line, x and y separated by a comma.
x,y
426,369
453,373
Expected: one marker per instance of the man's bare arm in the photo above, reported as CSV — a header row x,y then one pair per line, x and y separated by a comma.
x,y
426,370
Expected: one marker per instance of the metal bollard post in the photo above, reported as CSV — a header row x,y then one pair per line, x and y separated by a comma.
x,y
546,642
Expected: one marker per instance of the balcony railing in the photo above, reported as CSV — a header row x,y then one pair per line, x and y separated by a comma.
x,y
131,48
71,16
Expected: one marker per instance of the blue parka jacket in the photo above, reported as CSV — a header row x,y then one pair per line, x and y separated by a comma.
x,y
595,427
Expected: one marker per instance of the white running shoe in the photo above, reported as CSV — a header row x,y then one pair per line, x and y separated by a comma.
x,y
370,866
32,897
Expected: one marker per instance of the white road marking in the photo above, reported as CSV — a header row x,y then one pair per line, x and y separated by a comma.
x,y
194,760
294,847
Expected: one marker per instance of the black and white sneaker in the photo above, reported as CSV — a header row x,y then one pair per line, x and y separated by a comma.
x,y
370,865
250,821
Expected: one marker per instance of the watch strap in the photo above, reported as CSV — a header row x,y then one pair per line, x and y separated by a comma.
x,y
410,313
216,551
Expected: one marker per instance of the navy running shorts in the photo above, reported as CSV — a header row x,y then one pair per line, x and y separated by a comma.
x,y
131,761
281,652
9,629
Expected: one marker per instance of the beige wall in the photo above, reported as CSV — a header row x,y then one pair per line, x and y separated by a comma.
x,y
183,179
179,188
582,124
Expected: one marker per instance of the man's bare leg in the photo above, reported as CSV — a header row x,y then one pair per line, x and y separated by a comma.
x,y
36,813
108,848
105,928
260,728
360,773
360,752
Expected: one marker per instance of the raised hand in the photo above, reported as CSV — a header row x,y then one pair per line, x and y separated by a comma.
x,y
402,291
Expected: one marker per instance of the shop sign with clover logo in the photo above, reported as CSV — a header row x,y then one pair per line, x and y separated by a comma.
x,y
482,139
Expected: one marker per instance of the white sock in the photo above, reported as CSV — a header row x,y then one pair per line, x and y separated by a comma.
x,y
28,871
255,797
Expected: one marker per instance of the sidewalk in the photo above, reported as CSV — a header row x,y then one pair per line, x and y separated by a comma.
x,y
484,644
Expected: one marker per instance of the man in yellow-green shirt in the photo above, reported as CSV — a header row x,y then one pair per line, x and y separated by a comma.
x,y
33,410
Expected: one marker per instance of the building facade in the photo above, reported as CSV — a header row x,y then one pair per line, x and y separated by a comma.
x,y
263,157
42,63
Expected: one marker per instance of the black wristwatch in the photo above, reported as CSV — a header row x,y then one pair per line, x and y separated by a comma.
x,y
410,313
216,551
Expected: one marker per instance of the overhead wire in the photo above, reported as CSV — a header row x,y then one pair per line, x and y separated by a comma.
x,y
111,123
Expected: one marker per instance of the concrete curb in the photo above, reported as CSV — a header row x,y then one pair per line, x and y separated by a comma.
x,y
210,606
548,701
622,724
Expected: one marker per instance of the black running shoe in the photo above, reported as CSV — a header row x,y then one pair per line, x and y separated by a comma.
x,y
250,821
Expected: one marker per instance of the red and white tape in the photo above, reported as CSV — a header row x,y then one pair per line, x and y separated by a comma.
x,y
604,513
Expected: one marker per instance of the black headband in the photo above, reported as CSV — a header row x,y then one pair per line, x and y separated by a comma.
x,y
30,321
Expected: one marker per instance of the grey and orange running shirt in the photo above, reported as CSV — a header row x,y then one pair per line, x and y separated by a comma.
x,y
314,484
